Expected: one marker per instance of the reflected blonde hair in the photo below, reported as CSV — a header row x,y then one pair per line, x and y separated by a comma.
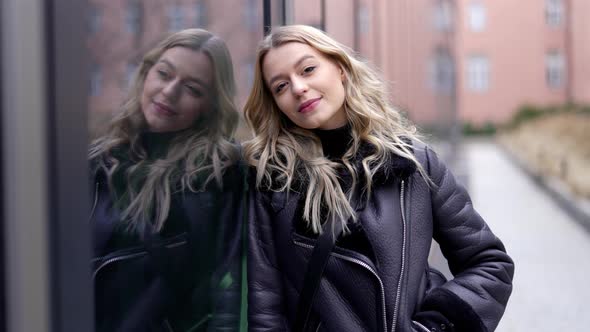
x,y
284,153
196,156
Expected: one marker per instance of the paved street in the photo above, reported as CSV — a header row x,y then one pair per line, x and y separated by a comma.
x,y
551,251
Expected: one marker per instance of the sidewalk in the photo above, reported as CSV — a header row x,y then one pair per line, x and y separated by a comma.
x,y
578,208
550,249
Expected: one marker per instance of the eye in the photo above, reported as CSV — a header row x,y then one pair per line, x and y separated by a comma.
x,y
279,87
309,69
194,90
163,74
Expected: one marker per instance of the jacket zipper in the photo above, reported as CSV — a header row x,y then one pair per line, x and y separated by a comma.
x,y
401,275
130,256
95,201
362,264
422,327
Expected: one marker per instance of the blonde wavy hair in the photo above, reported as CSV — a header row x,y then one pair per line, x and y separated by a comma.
x,y
195,157
284,153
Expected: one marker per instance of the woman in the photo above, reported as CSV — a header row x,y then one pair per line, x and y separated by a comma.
x,y
166,216
330,153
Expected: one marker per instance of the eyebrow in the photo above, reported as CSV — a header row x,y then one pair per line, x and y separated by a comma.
x,y
190,78
303,58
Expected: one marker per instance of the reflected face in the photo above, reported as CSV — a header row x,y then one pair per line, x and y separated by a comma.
x,y
177,89
306,85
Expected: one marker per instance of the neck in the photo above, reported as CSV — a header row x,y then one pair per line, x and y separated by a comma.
x,y
157,144
335,142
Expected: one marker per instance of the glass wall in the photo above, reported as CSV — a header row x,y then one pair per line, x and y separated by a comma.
x,y
75,62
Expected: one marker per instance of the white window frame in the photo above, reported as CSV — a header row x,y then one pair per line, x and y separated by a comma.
x,y
95,21
443,15
96,80
555,69
250,14
175,18
200,14
478,73
477,16
554,12
130,70
441,73
364,19
132,16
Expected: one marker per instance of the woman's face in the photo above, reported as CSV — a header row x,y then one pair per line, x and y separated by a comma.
x,y
306,85
177,89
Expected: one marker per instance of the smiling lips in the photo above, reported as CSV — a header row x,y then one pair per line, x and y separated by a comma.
x,y
308,105
164,109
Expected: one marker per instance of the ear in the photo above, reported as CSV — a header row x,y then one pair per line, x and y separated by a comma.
x,y
342,75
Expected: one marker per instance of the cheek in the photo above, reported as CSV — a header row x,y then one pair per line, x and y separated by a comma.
x,y
196,107
283,104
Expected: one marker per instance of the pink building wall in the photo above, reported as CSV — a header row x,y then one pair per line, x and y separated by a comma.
x,y
580,50
516,40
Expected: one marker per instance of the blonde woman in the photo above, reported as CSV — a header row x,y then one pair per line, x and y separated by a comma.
x,y
331,154
167,193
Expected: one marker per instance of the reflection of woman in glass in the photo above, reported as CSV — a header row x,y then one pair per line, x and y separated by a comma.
x,y
331,154
167,193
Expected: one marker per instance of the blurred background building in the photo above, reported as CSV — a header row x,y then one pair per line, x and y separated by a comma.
x,y
448,62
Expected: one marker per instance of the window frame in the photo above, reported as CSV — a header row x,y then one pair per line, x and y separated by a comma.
x,y
478,73
555,69
477,16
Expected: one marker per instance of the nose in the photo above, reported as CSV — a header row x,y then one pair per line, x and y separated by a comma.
x,y
170,90
299,86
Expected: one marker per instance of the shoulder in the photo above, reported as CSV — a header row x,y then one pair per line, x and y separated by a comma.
x,y
427,157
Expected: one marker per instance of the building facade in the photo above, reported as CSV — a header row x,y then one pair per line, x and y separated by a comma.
x,y
446,61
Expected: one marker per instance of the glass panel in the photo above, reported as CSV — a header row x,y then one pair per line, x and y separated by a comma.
x,y
177,87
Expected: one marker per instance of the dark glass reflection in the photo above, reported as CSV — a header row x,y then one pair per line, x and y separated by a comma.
x,y
167,202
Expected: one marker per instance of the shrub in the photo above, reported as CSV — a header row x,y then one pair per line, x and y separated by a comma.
x,y
487,129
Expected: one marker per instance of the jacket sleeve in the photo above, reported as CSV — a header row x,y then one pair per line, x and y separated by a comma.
x,y
476,298
265,289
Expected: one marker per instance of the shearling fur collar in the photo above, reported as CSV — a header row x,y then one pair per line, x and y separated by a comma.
x,y
396,166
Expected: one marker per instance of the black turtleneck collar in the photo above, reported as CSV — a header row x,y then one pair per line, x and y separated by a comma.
x,y
157,144
335,142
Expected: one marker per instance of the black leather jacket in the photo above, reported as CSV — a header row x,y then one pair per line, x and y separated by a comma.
x,y
387,288
186,277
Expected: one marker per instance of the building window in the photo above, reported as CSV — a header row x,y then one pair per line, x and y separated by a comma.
x,y
363,20
249,71
175,18
478,73
130,73
477,16
554,12
555,69
133,17
442,71
251,14
443,18
200,14
95,20
96,81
